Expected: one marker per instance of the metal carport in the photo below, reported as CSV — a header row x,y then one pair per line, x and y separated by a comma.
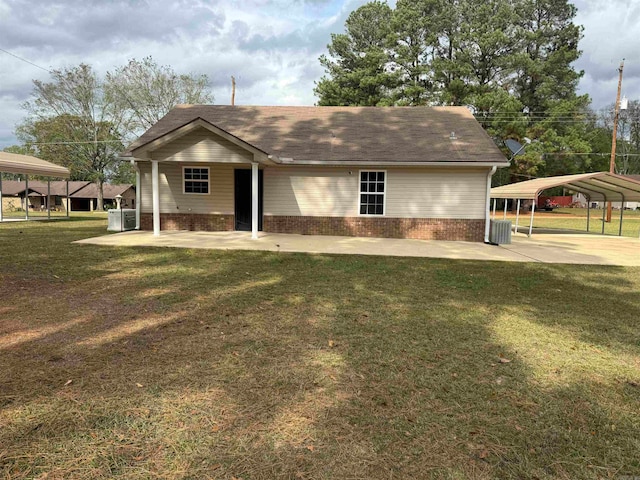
x,y
27,165
599,186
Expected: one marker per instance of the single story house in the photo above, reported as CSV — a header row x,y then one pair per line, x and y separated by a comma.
x,y
86,199
83,195
401,172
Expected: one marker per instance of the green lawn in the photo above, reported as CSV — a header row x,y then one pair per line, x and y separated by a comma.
x,y
576,219
163,363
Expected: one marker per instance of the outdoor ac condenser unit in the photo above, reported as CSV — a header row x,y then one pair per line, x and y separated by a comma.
x,y
121,220
500,232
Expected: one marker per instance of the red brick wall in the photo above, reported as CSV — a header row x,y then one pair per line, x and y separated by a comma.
x,y
189,221
383,227
419,228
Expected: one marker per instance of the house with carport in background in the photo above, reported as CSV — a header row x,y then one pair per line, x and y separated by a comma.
x,y
395,172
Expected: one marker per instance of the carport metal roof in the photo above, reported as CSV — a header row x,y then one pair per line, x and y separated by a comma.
x,y
28,165
599,186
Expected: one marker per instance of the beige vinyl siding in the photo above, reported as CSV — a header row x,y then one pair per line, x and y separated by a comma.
x,y
202,145
429,193
220,199
311,191
411,192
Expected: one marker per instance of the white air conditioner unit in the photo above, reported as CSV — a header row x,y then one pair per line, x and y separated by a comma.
x,y
500,232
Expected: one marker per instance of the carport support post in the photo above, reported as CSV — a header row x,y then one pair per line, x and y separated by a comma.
x,y
494,208
254,200
588,212
48,198
604,212
67,206
621,214
504,216
155,196
533,209
517,214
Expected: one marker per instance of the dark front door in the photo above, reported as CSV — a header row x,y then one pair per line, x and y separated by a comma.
x,y
243,199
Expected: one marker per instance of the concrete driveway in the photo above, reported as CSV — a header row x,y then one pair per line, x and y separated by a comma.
x,y
552,248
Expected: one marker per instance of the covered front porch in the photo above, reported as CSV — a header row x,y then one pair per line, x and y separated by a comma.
x,y
241,209
199,176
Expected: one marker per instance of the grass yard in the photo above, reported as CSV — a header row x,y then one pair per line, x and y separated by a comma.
x,y
576,219
143,363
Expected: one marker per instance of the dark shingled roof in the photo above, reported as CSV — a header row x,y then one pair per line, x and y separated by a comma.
x,y
109,190
344,134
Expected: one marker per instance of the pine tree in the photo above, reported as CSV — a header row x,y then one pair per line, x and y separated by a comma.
x,y
358,65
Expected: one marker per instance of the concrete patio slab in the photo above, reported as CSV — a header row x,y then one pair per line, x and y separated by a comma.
x,y
576,249
584,249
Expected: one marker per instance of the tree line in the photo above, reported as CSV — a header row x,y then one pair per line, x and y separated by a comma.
x,y
83,121
510,61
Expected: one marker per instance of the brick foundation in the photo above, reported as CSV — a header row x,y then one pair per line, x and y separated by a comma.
x,y
189,221
384,227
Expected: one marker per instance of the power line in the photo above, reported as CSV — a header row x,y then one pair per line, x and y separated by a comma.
x,y
593,153
25,60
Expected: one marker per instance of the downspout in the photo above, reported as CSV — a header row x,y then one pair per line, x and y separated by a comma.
x,y
487,207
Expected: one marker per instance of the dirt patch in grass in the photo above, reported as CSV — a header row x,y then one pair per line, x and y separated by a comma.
x,y
161,363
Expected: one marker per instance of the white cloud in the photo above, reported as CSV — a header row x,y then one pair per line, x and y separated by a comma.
x,y
610,34
270,46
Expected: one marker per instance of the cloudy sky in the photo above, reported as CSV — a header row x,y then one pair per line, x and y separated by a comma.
x,y
270,46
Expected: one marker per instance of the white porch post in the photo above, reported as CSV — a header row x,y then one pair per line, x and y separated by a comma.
x,y
138,196
155,192
254,200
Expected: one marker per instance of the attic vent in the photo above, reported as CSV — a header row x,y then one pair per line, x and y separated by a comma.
x,y
452,136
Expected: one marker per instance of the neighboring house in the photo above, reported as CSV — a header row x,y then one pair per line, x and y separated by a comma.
x,y
82,195
401,172
580,198
86,199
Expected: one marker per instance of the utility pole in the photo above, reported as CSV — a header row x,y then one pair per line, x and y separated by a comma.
x,y
233,90
612,162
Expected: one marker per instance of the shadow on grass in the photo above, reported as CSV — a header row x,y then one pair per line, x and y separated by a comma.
x,y
207,364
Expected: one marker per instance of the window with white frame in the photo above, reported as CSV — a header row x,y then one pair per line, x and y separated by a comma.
x,y
196,180
372,192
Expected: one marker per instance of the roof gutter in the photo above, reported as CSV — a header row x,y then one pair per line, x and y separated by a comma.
x,y
351,163
282,161
487,206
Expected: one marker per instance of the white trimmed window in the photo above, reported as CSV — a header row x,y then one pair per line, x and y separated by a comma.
x,y
196,180
373,187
